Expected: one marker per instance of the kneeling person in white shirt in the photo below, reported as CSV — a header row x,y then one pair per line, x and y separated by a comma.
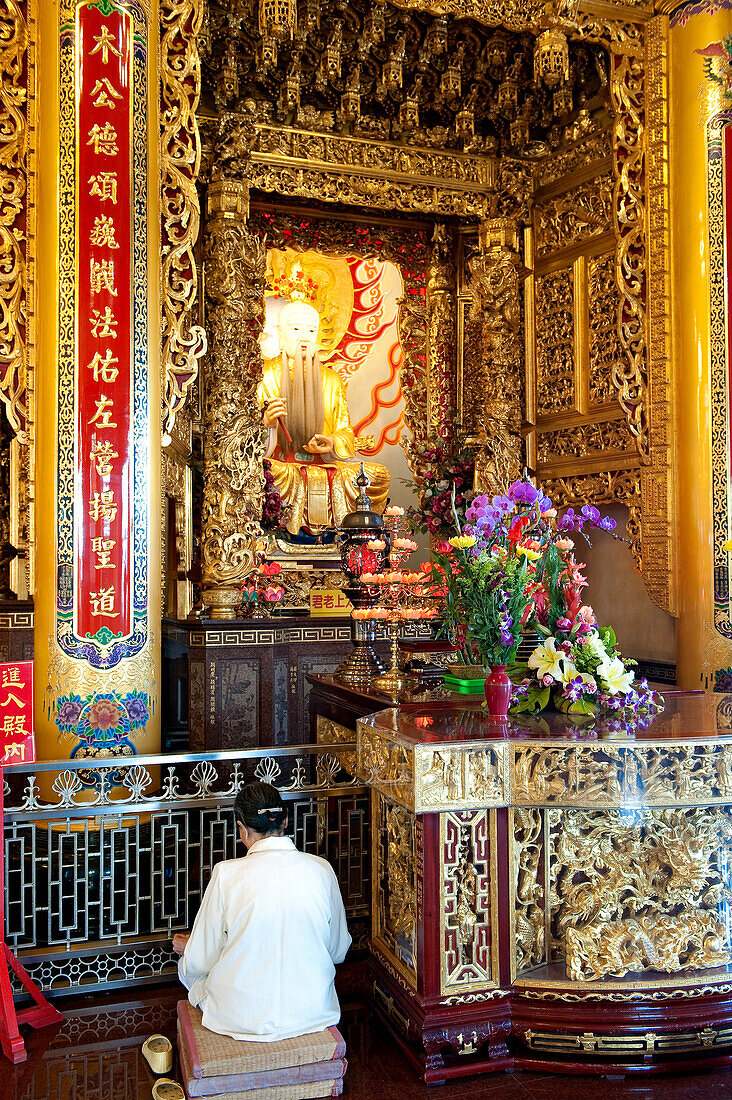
x,y
259,961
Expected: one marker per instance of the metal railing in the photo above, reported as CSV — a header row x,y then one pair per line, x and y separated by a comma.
x,y
105,861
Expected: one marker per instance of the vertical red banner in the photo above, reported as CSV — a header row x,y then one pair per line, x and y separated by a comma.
x,y
104,457
17,741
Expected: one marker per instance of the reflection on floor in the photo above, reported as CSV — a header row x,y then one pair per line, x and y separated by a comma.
x,y
95,1055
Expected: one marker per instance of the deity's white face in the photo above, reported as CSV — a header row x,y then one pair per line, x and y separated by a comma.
x,y
299,330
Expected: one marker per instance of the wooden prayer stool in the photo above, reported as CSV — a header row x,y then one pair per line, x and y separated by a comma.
x,y
291,1069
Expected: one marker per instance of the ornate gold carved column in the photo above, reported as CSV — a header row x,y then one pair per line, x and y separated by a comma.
x,y
233,477
700,170
496,274
440,333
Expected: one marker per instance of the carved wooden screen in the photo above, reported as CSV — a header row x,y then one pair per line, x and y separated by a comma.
x,y
578,436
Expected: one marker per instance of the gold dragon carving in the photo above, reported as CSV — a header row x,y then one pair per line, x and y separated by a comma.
x,y
530,937
184,343
632,892
496,273
233,472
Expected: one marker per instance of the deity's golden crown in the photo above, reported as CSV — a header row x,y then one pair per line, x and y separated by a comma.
x,y
295,285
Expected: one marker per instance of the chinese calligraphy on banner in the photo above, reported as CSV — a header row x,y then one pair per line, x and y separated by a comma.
x,y
104,321
104,487
17,744
101,691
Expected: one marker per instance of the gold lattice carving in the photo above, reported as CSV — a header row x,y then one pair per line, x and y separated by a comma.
x,y
632,892
183,342
555,342
465,893
613,774
605,351
575,215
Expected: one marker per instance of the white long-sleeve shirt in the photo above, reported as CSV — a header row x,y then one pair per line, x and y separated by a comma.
x,y
259,961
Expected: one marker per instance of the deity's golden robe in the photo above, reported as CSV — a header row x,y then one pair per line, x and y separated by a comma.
x,y
319,491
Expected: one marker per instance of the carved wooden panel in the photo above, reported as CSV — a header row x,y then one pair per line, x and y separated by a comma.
x,y
555,363
580,439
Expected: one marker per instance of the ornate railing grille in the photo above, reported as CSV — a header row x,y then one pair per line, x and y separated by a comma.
x,y
105,864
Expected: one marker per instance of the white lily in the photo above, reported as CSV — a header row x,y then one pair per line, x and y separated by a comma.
x,y
547,660
593,642
569,672
617,678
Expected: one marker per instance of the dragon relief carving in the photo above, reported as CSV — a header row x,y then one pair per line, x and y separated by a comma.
x,y
184,343
530,938
639,891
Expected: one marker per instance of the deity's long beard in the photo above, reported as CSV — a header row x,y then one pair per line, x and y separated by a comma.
x,y
303,394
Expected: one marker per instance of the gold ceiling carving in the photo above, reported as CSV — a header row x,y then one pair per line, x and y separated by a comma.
x,y
183,342
411,77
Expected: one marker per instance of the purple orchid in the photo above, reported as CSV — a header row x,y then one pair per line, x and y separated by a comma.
x,y
523,492
570,521
575,689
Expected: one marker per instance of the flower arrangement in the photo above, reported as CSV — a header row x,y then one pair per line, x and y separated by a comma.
x,y
512,568
447,488
261,590
273,507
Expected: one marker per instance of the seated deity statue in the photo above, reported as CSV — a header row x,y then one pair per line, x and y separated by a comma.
x,y
314,469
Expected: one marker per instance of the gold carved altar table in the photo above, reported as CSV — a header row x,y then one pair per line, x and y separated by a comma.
x,y
552,895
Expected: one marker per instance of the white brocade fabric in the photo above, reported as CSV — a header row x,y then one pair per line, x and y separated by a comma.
x,y
259,962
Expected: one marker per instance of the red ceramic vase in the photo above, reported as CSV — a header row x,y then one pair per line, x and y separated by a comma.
x,y
498,692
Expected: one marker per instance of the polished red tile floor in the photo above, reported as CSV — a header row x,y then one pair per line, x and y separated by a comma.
x,y
95,1055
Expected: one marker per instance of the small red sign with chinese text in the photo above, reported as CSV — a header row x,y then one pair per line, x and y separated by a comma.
x,y
17,740
104,322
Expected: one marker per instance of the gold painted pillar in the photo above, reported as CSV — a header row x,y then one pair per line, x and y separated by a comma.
x,y
699,103
98,577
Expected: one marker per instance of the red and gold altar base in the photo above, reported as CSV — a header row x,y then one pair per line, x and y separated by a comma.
x,y
550,891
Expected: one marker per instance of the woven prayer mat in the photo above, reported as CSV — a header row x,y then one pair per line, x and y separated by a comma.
x,y
219,1065
260,1089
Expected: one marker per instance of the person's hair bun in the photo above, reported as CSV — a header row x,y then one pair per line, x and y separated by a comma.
x,y
259,807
